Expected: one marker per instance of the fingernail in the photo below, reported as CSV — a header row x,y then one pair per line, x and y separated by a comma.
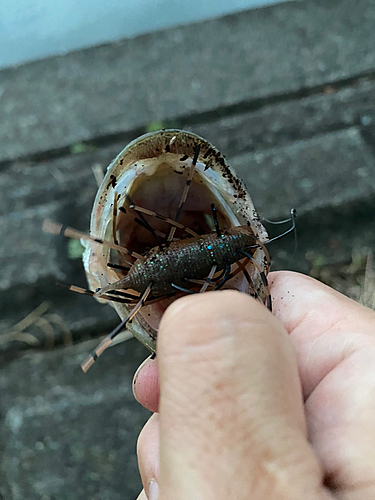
x,y
140,368
153,491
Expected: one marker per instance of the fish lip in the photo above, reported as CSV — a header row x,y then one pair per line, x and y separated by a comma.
x,y
212,168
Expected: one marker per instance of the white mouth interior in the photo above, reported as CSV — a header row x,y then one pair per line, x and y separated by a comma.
x,y
157,185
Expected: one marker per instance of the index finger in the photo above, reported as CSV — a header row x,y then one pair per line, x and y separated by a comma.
x,y
324,326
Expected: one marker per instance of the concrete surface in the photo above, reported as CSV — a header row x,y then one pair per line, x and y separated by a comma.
x,y
35,30
287,93
49,450
184,71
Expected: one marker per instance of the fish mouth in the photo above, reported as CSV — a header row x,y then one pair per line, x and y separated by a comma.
x,y
142,192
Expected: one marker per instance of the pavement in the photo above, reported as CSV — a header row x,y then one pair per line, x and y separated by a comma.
x,y
286,93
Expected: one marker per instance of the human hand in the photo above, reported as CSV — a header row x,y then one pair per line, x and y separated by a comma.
x,y
247,411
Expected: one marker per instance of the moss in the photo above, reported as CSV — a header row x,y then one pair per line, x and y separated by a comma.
x,y
155,126
75,249
81,147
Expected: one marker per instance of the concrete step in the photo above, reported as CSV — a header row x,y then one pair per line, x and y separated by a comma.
x,y
198,69
68,435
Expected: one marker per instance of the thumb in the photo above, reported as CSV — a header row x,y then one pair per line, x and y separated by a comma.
x,y
231,413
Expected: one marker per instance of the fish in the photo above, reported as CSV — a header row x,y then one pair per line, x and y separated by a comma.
x,y
151,174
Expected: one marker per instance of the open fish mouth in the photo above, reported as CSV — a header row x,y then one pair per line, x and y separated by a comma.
x,y
147,180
